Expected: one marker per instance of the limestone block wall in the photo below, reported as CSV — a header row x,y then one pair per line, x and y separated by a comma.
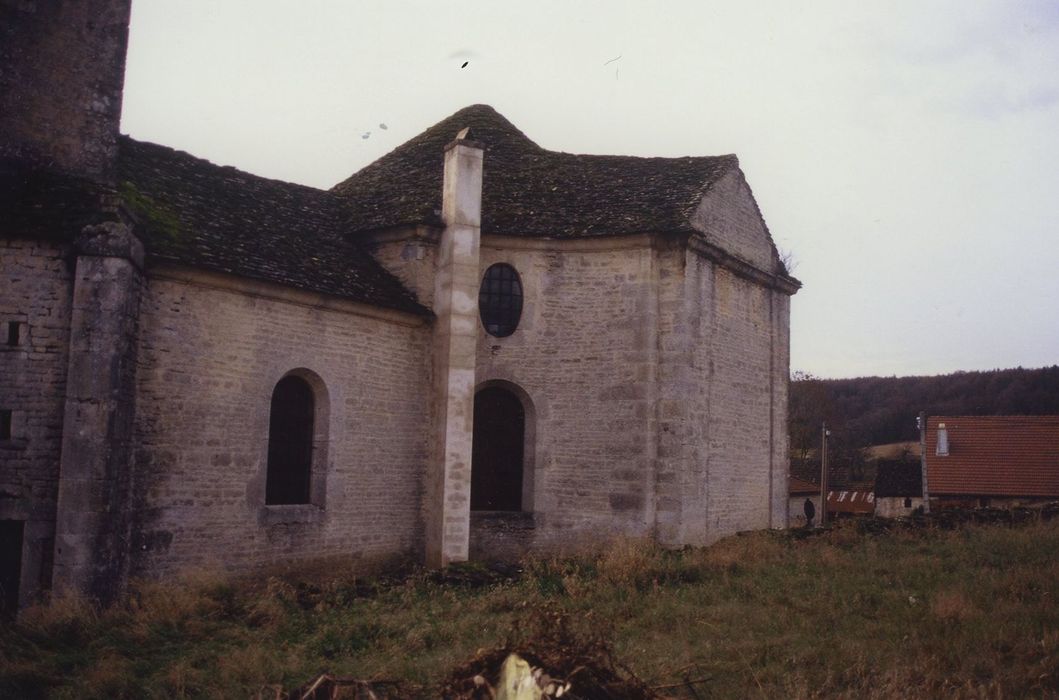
x,y
410,255
657,381
894,506
730,219
584,353
683,398
211,352
35,291
741,406
780,386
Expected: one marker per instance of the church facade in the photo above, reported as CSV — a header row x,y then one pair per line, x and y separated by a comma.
x,y
472,348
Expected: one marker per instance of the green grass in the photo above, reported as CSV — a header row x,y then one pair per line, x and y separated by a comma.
x,y
965,613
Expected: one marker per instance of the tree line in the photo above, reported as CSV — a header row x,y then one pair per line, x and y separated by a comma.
x,y
879,410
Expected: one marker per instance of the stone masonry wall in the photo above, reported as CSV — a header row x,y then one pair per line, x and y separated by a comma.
x,y
740,405
683,392
584,354
781,373
35,290
410,257
743,347
209,359
730,219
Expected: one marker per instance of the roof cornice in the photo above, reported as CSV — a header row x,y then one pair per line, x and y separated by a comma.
x,y
779,282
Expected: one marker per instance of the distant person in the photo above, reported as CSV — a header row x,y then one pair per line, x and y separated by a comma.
x,y
810,512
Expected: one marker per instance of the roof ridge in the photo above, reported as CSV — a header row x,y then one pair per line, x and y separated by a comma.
x,y
729,160
481,116
180,153
528,190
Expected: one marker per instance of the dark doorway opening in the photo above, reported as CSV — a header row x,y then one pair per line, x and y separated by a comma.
x,y
290,442
497,455
11,532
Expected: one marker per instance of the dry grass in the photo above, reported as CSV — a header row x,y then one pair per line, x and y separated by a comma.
x,y
964,613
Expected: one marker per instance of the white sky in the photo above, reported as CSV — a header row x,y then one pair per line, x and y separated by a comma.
x,y
905,153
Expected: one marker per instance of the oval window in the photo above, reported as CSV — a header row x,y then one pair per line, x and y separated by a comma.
x,y
500,300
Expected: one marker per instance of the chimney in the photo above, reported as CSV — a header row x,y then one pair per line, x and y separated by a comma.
x,y
455,342
62,68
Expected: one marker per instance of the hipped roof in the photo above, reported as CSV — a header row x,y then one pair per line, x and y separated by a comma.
x,y
193,212
528,190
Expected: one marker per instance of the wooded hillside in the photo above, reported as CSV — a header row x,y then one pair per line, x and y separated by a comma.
x,y
880,410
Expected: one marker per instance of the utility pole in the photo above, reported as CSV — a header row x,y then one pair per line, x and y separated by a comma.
x,y
824,432
922,423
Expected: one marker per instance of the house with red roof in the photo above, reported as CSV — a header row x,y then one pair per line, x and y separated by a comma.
x,y
991,461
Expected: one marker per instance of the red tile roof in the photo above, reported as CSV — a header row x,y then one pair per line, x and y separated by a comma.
x,y
796,486
994,456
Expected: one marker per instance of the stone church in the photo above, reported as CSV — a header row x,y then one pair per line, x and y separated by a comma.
x,y
473,347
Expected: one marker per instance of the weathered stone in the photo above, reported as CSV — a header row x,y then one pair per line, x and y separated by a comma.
x,y
650,359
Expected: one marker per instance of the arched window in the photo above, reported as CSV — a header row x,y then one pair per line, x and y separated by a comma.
x,y
498,450
500,300
290,442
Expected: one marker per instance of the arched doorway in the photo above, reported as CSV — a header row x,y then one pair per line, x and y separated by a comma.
x,y
499,450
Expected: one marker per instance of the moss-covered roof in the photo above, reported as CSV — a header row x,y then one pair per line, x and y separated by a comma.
x,y
530,191
193,212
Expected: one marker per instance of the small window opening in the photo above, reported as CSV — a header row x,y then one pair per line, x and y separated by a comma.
x,y
14,332
908,503
500,300
5,423
290,442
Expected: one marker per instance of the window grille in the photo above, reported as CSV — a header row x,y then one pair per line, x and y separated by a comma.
x,y
500,300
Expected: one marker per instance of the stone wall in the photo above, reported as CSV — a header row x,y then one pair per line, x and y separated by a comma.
x,y
736,411
729,218
212,350
35,291
745,350
655,385
409,254
62,65
894,506
584,354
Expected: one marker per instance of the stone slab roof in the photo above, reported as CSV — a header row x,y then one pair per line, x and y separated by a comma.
x,y
530,191
218,218
994,456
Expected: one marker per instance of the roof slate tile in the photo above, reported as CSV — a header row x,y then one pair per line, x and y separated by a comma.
x,y
197,213
530,191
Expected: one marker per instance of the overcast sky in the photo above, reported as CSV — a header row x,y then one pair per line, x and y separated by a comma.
x,y
905,154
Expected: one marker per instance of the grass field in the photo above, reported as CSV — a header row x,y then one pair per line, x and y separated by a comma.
x,y
911,613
